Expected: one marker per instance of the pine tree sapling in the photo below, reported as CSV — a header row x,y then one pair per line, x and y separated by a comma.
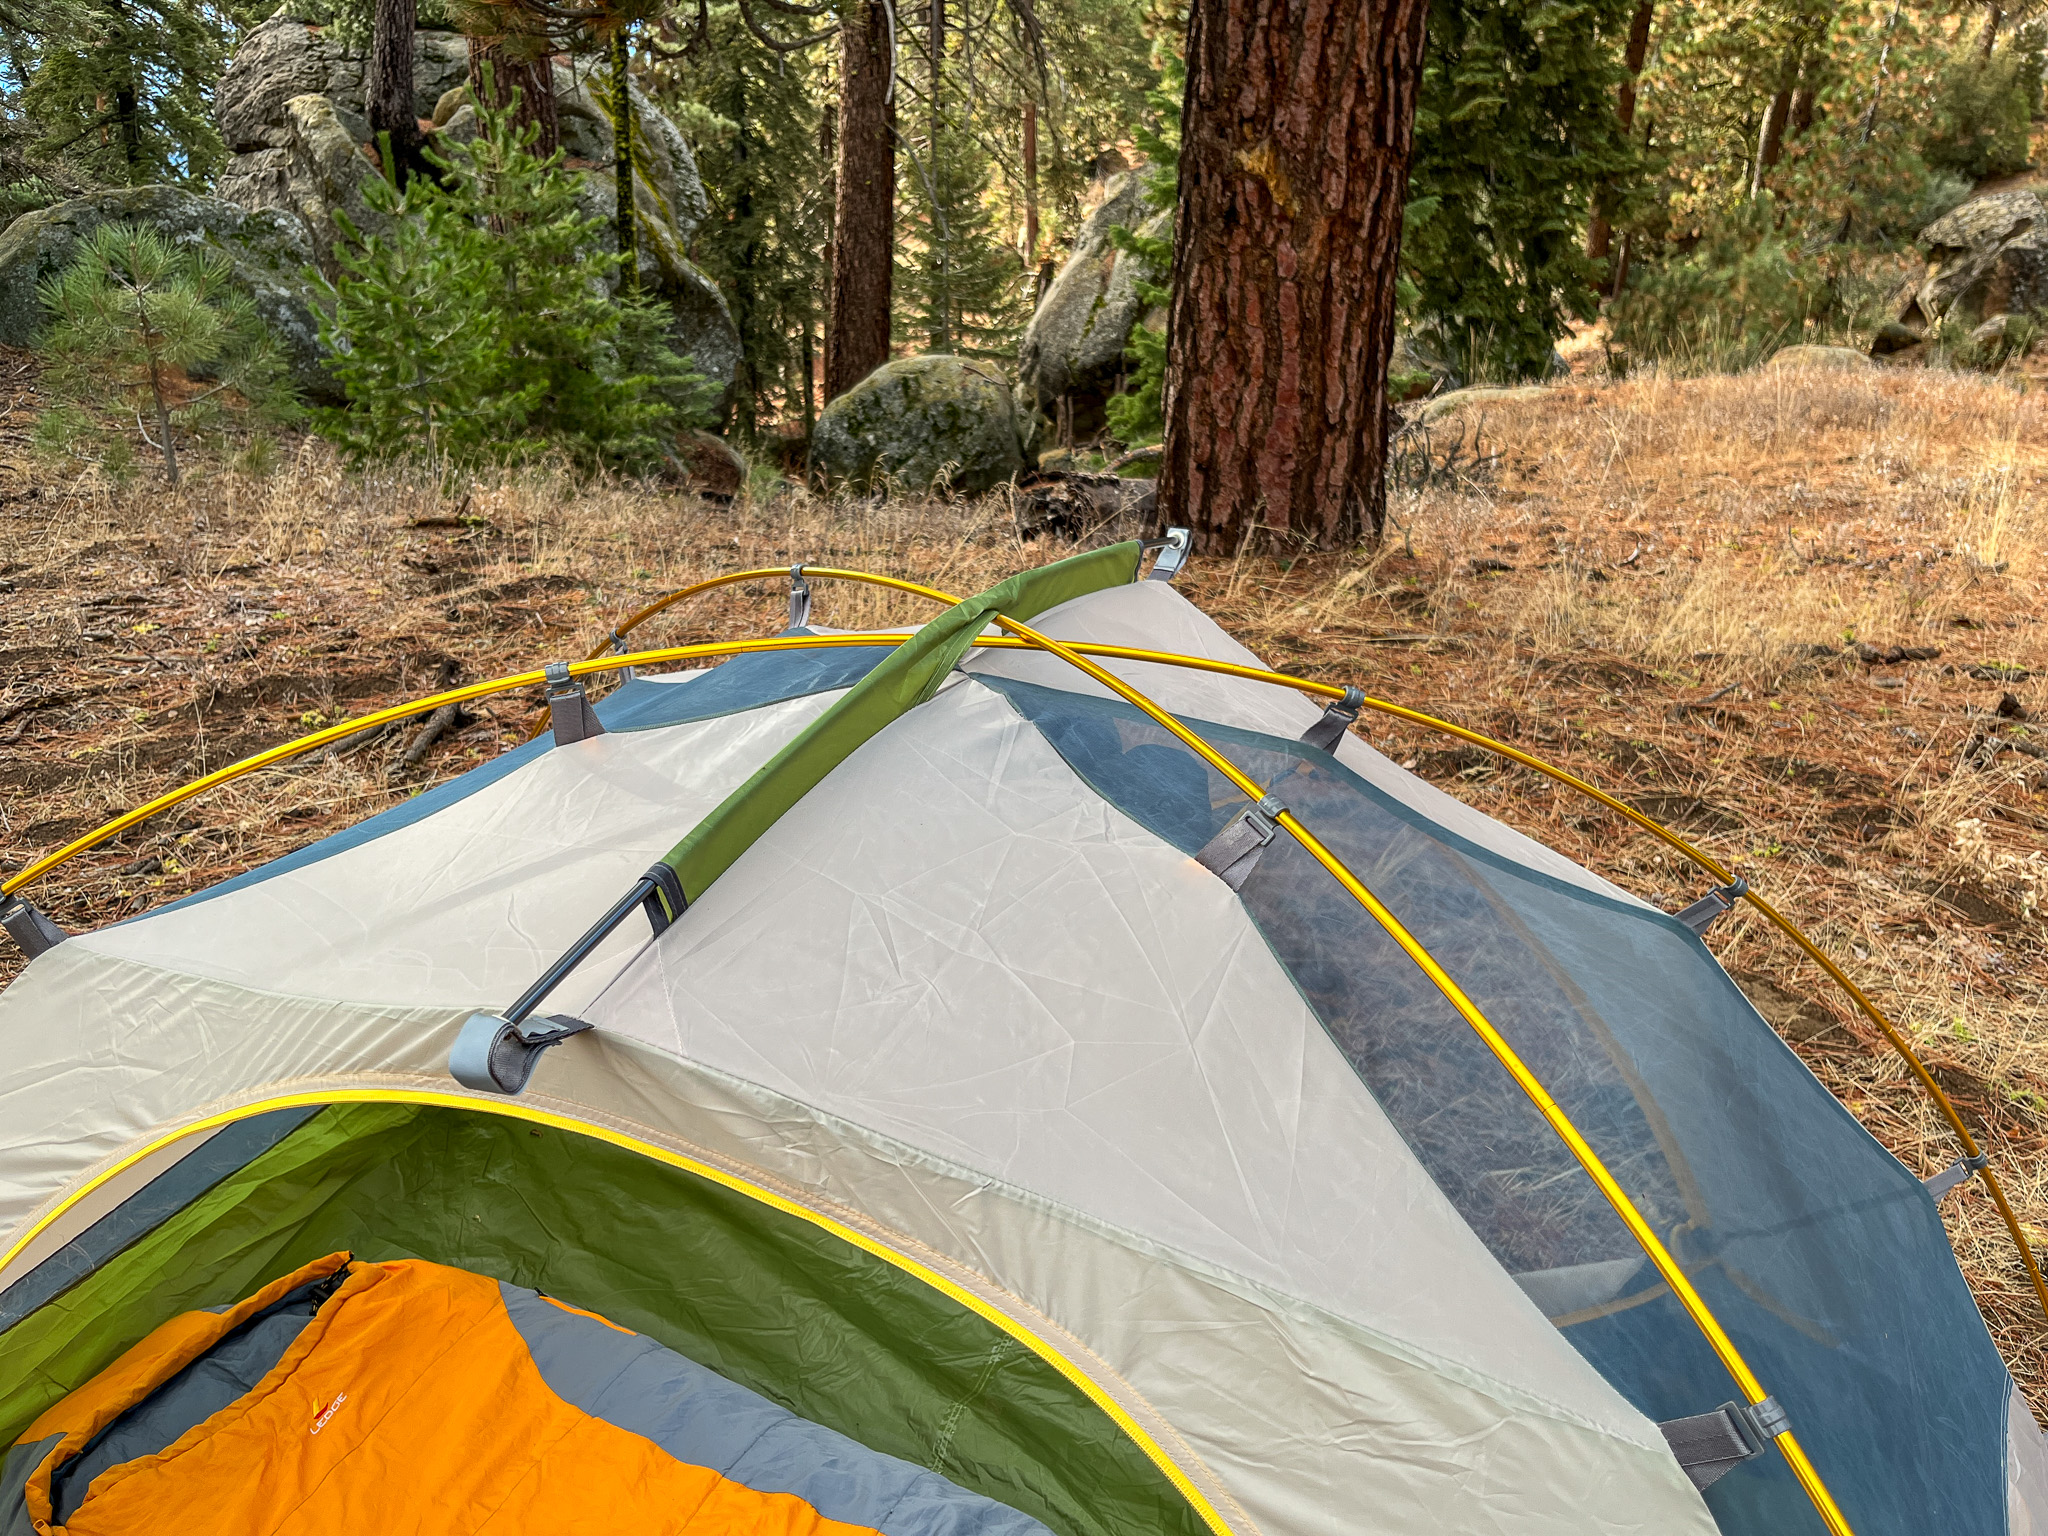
x,y
480,326
133,317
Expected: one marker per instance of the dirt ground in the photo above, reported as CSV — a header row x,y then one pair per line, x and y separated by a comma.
x,y
1797,617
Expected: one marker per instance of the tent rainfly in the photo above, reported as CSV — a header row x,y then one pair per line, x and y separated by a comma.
x,y
1061,1078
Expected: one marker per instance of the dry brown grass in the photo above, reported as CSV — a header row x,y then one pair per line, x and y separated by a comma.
x,y
1691,566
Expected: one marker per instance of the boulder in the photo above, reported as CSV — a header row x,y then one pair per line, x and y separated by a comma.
x,y
285,57
267,253
317,170
1074,346
1824,359
714,465
1987,257
290,107
922,420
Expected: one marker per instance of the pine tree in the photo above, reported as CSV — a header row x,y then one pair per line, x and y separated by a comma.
x,y
1514,130
125,87
479,328
752,116
132,314
960,286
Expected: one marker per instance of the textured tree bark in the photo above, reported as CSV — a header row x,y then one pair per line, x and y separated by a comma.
x,y
1296,129
863,248
387,91
496,72
1599,232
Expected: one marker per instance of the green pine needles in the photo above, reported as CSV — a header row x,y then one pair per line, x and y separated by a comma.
x,y
142,328
481,325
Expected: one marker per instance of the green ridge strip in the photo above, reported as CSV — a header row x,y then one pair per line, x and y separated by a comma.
x,y
911,674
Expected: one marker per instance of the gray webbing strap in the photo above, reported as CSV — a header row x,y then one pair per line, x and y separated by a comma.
x,y
799,599
1708,1446
1232,854
1957,1172
1337,717
569,710
1701,914
29,926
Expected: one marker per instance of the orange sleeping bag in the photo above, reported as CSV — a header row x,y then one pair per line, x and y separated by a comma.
x,y
408,1396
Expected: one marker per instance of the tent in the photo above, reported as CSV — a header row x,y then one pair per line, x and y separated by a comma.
x,y
1102,1082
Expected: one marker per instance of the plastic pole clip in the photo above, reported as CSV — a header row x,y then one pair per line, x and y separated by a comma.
x,y
29,926
1699,917
621,647
1173,554
1956,1173
1232,854
799,601
1337,717
496,1053
569,711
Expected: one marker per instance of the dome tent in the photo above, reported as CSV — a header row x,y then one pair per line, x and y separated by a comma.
x,y
1006,1091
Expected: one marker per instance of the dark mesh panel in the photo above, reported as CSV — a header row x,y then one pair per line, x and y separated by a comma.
x,y
1818,1251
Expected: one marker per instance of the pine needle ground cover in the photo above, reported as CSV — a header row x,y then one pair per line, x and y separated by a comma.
x,y
1798,617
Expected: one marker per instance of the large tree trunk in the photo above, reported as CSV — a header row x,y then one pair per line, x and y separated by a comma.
x,y
863,248
387,92
497,71
1599,231
1295,135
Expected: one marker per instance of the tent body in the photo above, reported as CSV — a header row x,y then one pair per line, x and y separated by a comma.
x,y
969,1116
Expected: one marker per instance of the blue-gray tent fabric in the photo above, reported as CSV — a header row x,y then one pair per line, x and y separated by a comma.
x,y
231,1148
699,1417
1820,1253
750,681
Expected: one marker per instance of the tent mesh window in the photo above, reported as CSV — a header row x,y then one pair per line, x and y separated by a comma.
x,y
1818,1251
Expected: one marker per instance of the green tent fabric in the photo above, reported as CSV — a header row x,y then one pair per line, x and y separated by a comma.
x,y
764,1298
910,675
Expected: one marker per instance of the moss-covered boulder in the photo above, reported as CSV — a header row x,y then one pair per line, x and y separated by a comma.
x,y
267,253
921,421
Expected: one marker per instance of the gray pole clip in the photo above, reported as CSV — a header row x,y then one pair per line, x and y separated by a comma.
x,y
493,1055
799,599
29,926
1338,715
1708,1446
497,1052
621,647
569,710
1722,898
1232,854
1956,1173
1173,554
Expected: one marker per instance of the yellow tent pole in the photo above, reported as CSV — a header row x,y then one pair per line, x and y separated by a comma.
x,y
599,662
285,751
1893,1035
1668,1267
764,573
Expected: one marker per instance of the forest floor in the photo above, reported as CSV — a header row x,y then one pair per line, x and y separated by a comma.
x,y
1798,617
